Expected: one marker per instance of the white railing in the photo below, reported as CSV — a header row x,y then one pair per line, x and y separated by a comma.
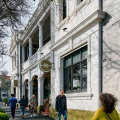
x,y
25,65
33,58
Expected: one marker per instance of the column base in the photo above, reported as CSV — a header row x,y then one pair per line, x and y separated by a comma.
x,y
40,109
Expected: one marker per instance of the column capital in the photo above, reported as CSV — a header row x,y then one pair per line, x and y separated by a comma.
x,y
40,23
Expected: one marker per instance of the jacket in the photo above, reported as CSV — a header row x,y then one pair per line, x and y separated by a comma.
x,y
23,102
58,104
100,115
12,101
33,103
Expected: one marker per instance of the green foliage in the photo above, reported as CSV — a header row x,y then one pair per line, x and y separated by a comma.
x,y
2,110
3,116
5,100
40,108
73,114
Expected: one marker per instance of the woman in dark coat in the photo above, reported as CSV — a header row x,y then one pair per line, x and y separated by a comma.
x,y
23,104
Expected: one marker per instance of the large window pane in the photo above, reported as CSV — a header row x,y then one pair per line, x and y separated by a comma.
x,y
84,53
84,75
76,57
79,1
76,77
67,85
68,61
75,68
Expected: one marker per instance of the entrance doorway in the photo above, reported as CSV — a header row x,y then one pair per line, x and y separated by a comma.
x,y
26,89
46,88
35,86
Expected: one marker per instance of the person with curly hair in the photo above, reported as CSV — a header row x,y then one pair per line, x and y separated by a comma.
x,y
107,110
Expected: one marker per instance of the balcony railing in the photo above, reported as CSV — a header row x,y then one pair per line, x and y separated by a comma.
x,y
33,58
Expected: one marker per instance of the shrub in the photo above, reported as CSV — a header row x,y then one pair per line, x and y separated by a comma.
x,y
4,116
2,110
5,100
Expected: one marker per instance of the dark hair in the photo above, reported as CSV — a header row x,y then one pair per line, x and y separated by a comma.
x,y
108,102
12,95
23,96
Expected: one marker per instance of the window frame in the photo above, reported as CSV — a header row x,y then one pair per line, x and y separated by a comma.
x,y
80,62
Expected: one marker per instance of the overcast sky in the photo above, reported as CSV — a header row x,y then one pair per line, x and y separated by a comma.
x,y
7,59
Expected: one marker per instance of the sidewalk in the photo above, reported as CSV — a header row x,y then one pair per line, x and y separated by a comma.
x,y
26,116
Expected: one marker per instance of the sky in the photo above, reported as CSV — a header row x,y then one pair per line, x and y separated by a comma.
x,y
7,59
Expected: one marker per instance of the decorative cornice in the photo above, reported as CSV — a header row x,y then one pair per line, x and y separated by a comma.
x,y
97,16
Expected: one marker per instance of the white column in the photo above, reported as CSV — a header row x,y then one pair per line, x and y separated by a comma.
x,y
30,85
17,93
40,88
30,46
23,89
23,54
40,35
12,90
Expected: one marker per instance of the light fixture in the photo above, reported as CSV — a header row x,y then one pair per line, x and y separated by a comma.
x,y
64,29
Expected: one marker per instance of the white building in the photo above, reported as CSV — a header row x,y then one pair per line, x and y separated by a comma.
x,y
69,33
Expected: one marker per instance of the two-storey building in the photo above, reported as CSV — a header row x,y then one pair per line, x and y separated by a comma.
x,y
68,33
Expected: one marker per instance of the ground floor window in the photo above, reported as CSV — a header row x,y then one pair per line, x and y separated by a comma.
x,y
75,71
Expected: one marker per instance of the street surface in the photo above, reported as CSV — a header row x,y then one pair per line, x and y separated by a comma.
x,y
26,116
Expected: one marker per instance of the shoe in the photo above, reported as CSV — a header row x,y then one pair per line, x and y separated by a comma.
x,y
22,116
31,115
35,115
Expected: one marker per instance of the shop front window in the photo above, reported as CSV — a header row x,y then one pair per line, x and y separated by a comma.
x,y
75,71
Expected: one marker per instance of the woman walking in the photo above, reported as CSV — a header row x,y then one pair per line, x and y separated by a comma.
x,y
107,110
23,104
33,105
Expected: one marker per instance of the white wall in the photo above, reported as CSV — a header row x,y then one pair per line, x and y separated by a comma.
x,y
111,49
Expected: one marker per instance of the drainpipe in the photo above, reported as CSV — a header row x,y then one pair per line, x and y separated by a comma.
x,y
100,51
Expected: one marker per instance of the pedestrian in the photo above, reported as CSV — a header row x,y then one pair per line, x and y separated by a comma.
x,y
107,110
23,104
61,105
33,105
12,101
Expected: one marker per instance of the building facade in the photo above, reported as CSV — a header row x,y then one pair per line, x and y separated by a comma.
x,y
68,33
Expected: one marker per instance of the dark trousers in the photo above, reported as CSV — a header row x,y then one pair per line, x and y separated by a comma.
x,y
13,112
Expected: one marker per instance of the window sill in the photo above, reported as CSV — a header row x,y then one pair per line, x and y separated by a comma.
x,y
80,95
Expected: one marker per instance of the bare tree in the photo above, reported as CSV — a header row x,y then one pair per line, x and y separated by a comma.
x,y
11,12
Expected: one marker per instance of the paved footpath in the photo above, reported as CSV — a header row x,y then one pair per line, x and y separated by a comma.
x,y
26,116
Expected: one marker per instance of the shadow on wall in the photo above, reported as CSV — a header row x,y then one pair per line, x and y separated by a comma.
x,y
111,65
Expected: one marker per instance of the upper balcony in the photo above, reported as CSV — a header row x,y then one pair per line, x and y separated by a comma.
x,y
44,51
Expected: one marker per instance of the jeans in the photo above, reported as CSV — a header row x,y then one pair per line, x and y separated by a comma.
x,y
22,109
13,112
63,112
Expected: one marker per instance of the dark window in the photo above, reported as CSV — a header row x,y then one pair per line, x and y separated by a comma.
x,y
79,1
75,71
15,92
64,9
26,51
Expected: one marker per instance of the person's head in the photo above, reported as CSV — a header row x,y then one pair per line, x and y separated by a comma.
x,y
108,102
23,96
12,95
33,96
61,92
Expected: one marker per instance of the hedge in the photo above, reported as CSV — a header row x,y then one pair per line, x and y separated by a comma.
x,y
2,110
3,116
5,100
